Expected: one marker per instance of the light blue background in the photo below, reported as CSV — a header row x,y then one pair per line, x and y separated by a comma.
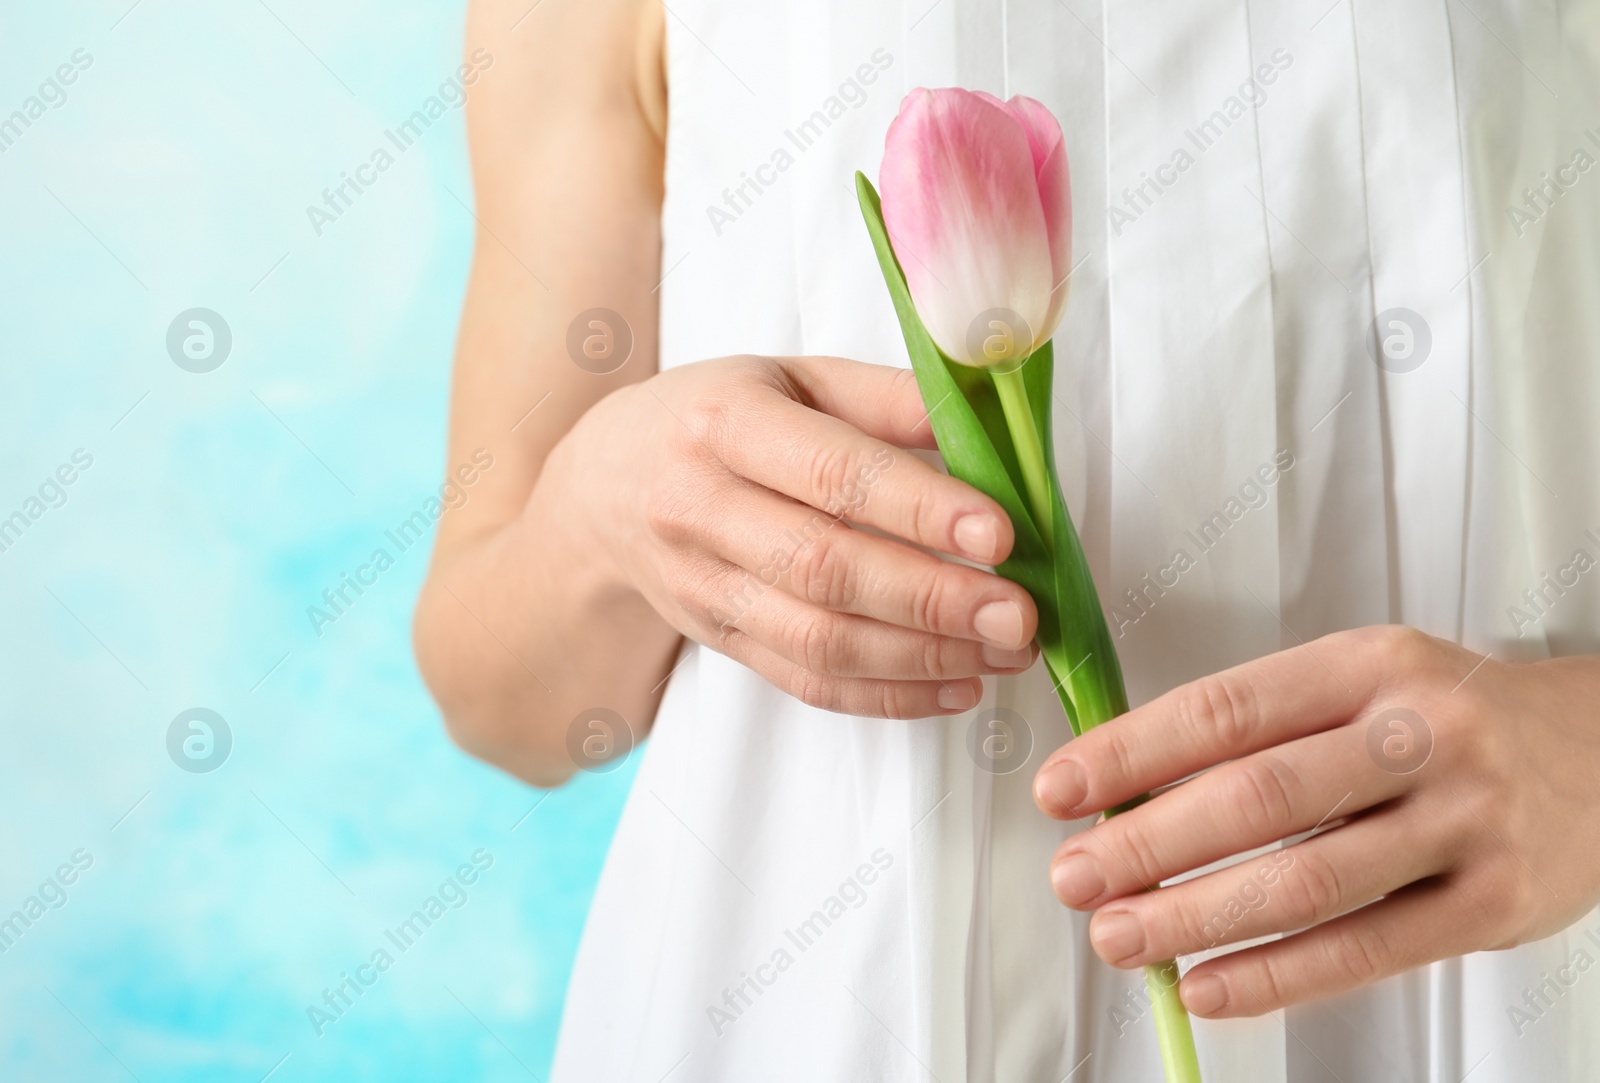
x,y
178,572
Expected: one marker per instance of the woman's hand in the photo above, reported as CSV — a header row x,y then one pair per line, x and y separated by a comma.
x,y
1456,791
717,500
723,493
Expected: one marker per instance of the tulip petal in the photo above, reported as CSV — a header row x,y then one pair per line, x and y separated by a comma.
x,y
961,205
1049,150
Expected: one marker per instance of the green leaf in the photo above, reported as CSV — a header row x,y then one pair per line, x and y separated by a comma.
x,y
970,427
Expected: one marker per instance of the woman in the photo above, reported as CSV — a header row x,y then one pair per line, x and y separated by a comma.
x,y
1327,402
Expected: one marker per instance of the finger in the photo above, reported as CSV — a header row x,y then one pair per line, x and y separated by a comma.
x,y
1237,807
845,645
855,696
820,560
1224,716
880,400
1416,925
827,463
1293,888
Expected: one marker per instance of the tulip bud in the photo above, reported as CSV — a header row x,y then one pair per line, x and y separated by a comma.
x,y
978,209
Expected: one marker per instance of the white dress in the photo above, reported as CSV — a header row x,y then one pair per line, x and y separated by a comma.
x,y
797,895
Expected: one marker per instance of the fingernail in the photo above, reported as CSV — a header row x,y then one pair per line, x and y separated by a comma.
x,y
1004,658
1000,623
958,697
978,537
1204,995
1116,935
1060,787
1078,880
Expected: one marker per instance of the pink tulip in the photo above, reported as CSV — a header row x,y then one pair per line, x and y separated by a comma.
x,y
978,208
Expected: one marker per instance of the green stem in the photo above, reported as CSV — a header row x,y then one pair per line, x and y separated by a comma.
x,y
1095,686
1030,450
1173,1032
1073,636
1174,1035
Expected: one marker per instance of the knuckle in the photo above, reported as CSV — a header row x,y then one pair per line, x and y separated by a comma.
x,y
1368,638
942,657
1458,831
1401,647
727,637
1268,983
667,515
705,419
724,606
894,700
930,599
921,510
766,368
1477,808
828,471
821,572
939,657
1473,738
1220,709
903,389
1260,793
928,654
1313,891
907,398
1120,751
1359,952
1137,852
813,689
763,373
1464,744
1193,929
810,643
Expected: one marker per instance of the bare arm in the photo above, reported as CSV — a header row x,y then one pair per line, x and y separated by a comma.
x,y
714,500
566,134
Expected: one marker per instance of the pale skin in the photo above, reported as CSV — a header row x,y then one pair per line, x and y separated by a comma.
x,y
1488,843
625,511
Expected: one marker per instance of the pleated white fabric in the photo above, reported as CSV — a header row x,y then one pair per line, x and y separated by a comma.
x,y
1255,182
